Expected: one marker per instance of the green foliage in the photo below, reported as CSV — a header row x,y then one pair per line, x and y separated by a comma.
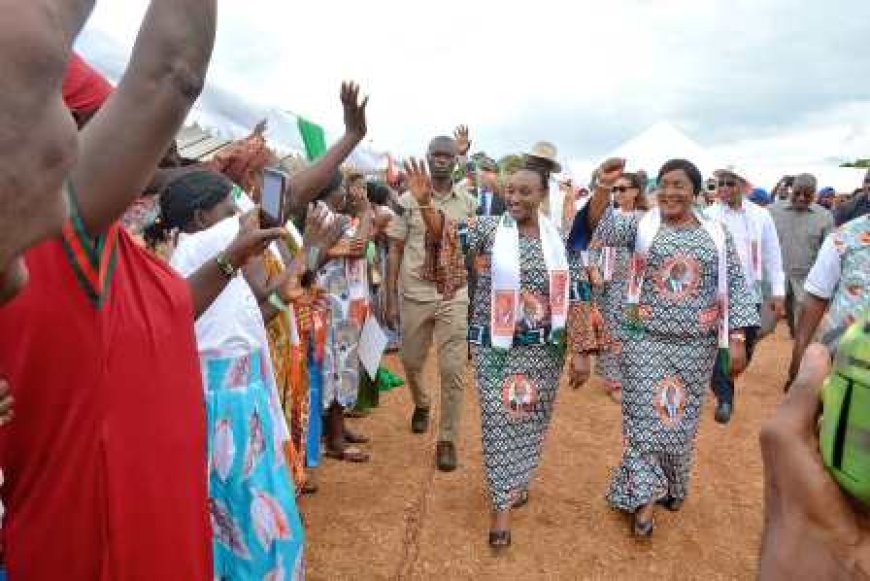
x,y
510,163
861,162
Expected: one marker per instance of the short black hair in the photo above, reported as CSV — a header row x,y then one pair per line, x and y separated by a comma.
x,y
689,168
377,193
538,169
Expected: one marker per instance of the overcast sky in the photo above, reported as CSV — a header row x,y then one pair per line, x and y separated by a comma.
x,y
771,77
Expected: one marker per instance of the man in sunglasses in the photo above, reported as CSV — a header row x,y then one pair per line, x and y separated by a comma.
x,y
802,226
755,237
858,206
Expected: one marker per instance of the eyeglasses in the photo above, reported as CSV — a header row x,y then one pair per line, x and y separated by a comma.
x,y
727,183
620,189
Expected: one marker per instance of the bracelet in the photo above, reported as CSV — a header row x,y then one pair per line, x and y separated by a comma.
x,y
225,266
738,337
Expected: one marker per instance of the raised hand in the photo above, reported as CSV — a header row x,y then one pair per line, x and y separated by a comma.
x,y
251,239
463,142
260,128
354,111
609,171
418,181
322,227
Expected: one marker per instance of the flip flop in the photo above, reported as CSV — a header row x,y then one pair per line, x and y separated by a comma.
x,y
354,438
348,454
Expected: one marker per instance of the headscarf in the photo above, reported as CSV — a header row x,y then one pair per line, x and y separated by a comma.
x,y
84,89
244,161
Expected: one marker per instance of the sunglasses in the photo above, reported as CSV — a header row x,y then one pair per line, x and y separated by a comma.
x,y
620,189
727,183
711,187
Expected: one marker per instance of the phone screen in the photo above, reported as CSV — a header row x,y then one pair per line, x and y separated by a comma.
x,y
272,199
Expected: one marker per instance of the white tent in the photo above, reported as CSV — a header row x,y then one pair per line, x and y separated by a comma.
x,y
652,148
225,114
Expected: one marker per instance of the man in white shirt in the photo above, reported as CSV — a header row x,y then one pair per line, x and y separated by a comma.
x,y
755,237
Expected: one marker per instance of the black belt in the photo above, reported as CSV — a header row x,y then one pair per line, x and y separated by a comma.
x,y
480,335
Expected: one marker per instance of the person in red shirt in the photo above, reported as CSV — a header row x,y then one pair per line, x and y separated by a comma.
x,y
104,464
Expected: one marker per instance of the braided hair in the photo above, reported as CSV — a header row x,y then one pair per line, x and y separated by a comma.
x,y
201,189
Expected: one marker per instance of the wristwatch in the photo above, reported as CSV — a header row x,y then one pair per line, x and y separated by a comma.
x,y
225,265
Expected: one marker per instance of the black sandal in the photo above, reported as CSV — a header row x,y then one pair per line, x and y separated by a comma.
x,y
521,499
500,539
670,503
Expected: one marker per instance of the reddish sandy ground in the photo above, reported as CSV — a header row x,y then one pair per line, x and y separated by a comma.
x,y
397,517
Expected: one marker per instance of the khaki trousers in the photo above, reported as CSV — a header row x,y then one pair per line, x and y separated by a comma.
x,y
447,323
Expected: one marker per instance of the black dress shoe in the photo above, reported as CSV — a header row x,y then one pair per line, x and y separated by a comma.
x,y
420,420
723,412
445,456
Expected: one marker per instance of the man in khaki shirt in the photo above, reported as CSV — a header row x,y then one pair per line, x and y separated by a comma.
x,y
423,313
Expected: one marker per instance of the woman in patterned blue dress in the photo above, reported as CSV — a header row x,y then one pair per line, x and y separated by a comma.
x,y
686,297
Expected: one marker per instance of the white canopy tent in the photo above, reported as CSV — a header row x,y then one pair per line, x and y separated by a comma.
x,y
652,148
222,112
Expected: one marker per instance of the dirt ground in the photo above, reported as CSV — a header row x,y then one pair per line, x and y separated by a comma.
x,y
397,517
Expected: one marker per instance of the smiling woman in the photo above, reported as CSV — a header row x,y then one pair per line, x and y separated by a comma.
x,y
686,299
527,292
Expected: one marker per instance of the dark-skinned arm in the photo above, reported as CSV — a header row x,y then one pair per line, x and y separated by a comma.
x,y
120,147
606,175
303,186
206,284
811,313
208,281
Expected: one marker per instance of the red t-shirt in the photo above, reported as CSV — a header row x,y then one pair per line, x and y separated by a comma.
x,y
105,460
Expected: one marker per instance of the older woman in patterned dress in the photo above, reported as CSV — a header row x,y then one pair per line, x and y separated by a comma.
x,y
528,299
685,290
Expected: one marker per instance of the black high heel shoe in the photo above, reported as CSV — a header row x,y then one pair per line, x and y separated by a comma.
x,y
500,539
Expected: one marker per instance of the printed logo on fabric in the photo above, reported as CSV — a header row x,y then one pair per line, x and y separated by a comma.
x,y
670,400
504,312
678,277
519,395
558,294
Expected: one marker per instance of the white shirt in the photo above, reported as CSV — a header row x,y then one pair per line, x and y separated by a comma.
x,y
233,324
741,224
825,275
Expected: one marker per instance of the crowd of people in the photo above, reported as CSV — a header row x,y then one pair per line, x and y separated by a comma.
x,y
175,362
